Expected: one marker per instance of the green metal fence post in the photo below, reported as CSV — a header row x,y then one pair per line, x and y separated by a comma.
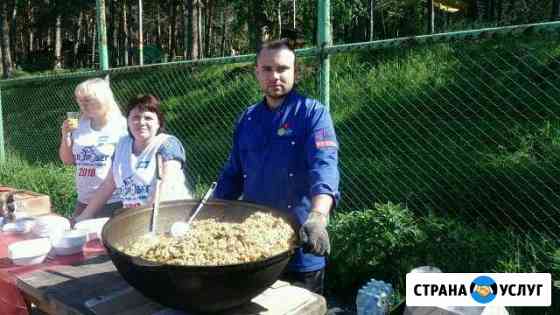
x,y
2,148
324,41
102,35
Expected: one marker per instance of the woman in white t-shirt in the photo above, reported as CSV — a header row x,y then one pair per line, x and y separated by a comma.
x,y
133,173
91,145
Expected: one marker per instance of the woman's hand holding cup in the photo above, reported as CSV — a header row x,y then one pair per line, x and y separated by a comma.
x,y
71,123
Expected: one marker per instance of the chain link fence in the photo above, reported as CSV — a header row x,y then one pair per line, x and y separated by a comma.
x,y
466,126
467,129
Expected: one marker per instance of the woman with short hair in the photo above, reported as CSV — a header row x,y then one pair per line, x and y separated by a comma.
x,y
133,173
91,144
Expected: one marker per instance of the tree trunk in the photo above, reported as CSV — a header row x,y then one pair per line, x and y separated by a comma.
x,y
1,55
499,10
195,29
294,13
77,38
49,38
555,10
124,33
187,29
115,50
86,38
129,32
279,13
158,27
431,17
172,27
224,31
93,44
525,9
13,35
6,56
109,17
371,19
255,24
491,10
58,43
199,30
208,34
30,33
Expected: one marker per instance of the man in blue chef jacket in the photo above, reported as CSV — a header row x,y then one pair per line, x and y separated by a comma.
x,y
285,155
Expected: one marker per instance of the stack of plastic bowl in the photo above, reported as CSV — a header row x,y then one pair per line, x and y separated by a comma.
x,y
48,225
92,226
29,252
20,226
68,242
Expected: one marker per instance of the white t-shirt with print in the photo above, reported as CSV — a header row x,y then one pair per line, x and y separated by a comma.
x,y
93,151
135,175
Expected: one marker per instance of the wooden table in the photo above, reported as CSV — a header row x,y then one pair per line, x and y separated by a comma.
x,y
95,287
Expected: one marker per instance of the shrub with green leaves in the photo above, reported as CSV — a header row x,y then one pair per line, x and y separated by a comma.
x,y
388,241
372,243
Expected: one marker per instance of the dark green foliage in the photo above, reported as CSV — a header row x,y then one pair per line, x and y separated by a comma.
x,y
372,243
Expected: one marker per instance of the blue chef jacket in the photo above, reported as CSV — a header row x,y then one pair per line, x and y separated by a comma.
x,y
282,158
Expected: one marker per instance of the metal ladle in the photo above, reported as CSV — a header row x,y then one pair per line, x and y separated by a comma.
x,y
181,228
155,206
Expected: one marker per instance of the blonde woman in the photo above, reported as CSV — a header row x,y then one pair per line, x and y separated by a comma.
x,y
91,145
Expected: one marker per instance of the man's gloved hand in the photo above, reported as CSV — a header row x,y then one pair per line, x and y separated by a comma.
x,y
313,234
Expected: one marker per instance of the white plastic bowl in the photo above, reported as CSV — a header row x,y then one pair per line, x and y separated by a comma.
x,y
29,252
92,226
48,225
68,242
20,226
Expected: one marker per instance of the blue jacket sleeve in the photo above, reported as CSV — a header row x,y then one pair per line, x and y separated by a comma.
x,y
322,153
230,183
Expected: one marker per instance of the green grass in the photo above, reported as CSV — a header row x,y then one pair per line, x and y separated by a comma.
x,y
51,179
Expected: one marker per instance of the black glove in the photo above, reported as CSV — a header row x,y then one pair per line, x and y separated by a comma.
x,y
313,234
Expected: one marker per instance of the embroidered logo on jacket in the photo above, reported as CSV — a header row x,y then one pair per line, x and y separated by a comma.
x,y
284,130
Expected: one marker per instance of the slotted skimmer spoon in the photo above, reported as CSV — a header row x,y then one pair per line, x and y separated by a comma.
x,y
181,228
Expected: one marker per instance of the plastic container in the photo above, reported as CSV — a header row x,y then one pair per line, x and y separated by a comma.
x,y
48,225
374,298
69,242
29,252
92,226
20,226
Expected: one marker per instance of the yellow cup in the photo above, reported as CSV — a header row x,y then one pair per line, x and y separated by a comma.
x,y
73,118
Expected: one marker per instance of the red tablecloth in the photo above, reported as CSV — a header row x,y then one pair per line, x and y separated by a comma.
x,y
11,299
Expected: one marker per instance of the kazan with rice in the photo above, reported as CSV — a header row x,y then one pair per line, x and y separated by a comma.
x,y
216,242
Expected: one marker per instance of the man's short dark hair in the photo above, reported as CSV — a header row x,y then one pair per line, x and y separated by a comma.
x,y
283,43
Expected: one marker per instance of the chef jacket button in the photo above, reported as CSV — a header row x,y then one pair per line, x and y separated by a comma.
x,y
244,175
293,143
289,206
291,174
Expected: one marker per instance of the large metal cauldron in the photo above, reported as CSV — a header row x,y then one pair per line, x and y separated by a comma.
x,y
194,288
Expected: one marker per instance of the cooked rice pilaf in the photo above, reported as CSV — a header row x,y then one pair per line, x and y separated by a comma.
x,y
212,243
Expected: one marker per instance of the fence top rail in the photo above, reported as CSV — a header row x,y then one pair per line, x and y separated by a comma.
x,y
483,33
93,73
514,30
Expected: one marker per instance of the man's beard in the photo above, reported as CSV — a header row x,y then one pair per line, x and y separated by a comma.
x,y
275,95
